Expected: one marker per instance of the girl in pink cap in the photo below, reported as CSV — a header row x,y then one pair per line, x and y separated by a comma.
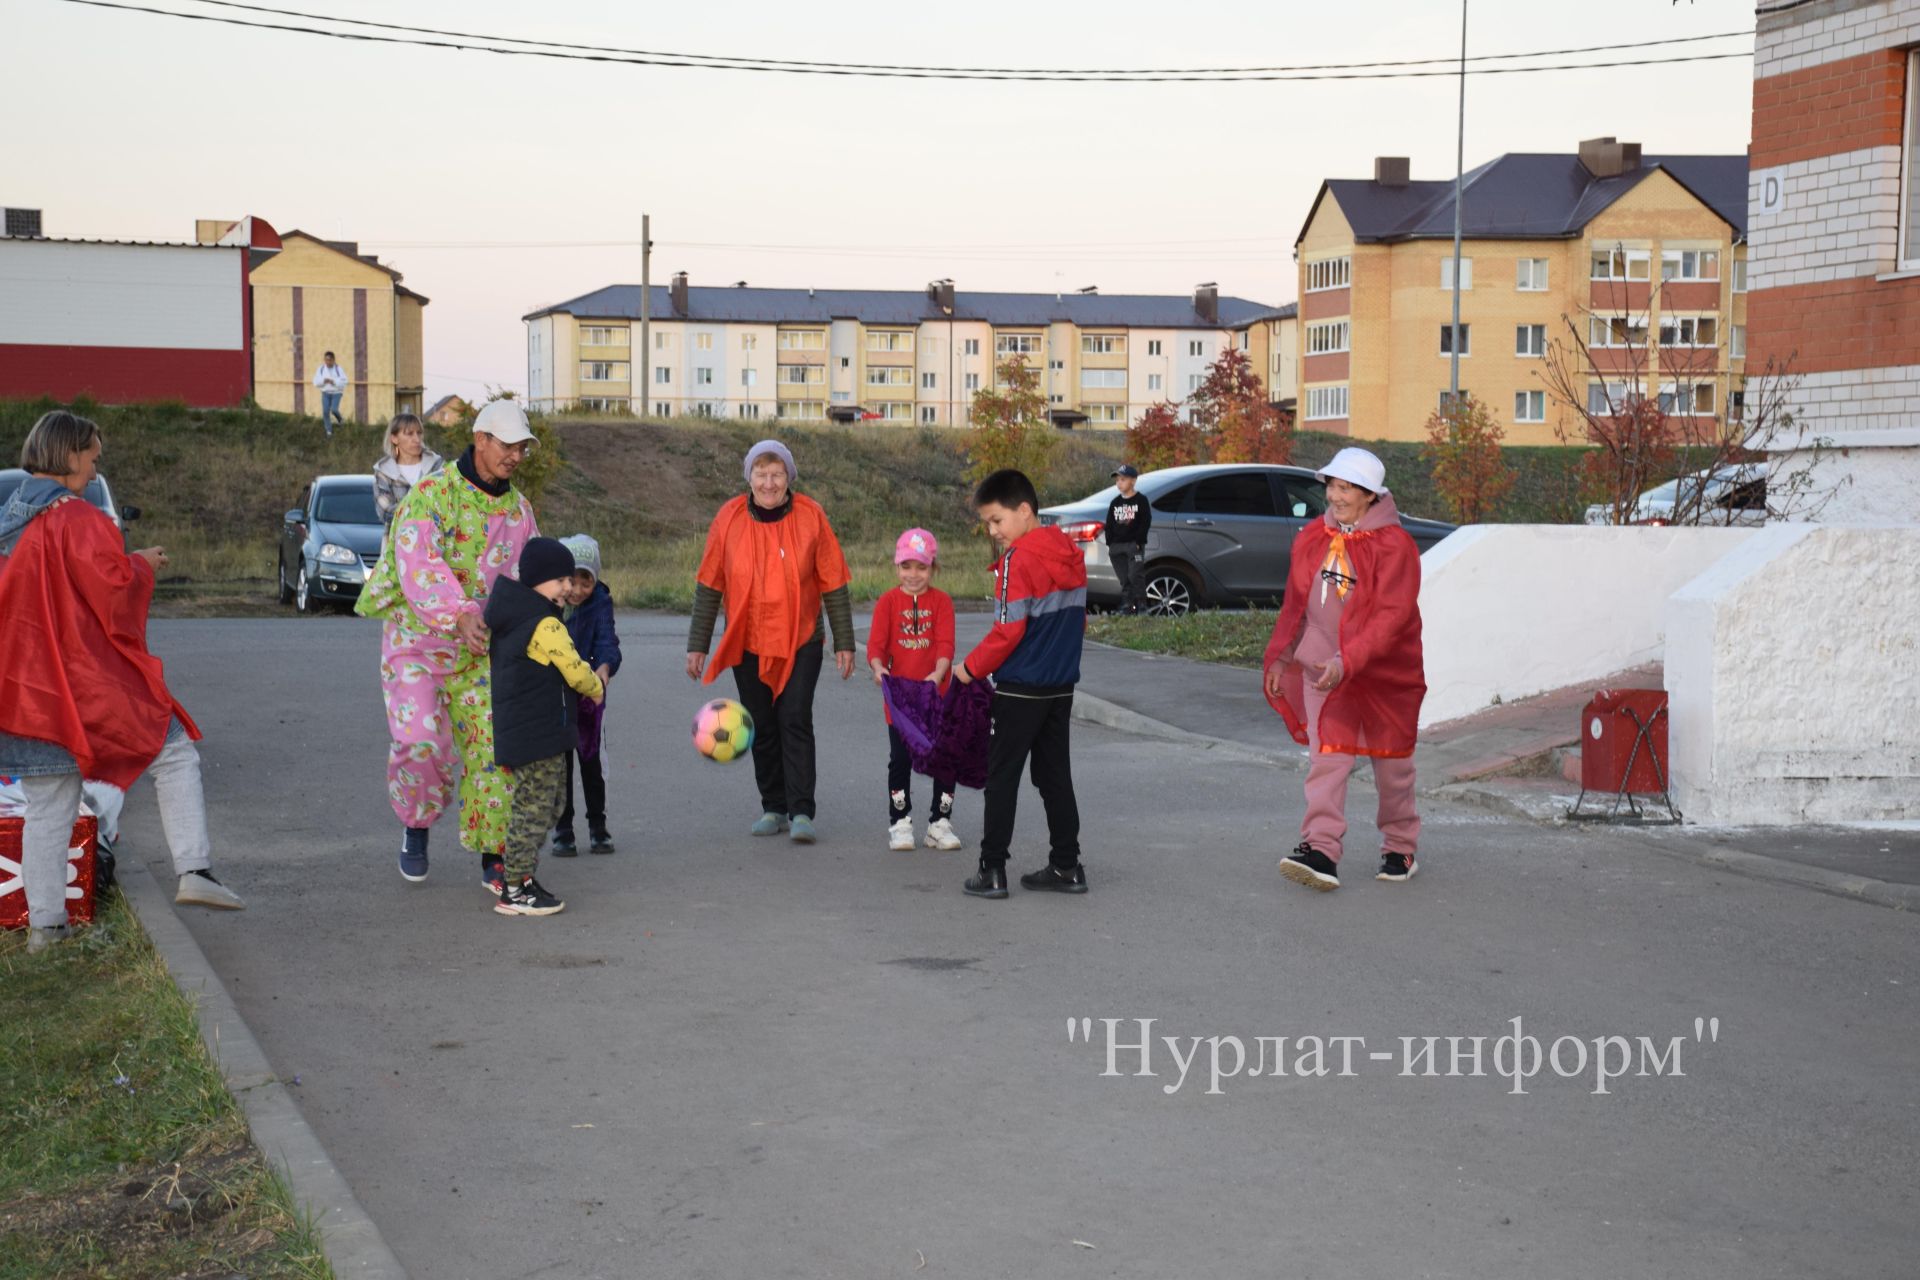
x,y
912,638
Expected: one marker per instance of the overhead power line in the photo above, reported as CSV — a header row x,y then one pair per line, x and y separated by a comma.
x,y
715,63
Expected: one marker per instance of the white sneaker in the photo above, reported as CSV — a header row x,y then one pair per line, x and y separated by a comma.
x,y
200,889
940,835
900,835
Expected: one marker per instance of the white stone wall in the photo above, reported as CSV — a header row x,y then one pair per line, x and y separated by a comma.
x,y
1509,611
1793,43
1829,218
1793,669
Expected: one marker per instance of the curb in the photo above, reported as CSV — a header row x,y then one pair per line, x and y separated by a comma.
x,y
353,1244
1111,715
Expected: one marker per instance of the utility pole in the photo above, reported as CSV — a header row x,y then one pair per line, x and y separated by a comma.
x,y
646,314
1459,183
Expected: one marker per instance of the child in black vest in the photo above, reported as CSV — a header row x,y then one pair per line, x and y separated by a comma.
x,y
538,677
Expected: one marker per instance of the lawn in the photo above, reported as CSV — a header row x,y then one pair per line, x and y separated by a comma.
x,y
122,1155
1236,638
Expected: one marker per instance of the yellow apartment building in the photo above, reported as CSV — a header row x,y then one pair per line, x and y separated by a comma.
x,y
1635,266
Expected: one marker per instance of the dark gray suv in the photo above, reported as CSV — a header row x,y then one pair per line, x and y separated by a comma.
x,y
1222,534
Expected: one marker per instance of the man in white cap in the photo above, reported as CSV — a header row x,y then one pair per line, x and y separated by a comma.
x,y
452,536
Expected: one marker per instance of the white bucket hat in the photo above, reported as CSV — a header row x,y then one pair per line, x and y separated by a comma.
x,y
1357,466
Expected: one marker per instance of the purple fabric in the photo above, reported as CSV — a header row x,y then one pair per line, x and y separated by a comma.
x,y
587,721
948,735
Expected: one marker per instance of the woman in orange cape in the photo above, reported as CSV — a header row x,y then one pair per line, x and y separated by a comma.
x,y
773,566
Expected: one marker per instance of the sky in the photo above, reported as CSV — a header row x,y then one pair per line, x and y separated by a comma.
x,y
130,126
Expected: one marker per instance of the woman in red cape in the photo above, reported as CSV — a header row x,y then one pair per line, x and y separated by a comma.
x,y
1344,668
80,696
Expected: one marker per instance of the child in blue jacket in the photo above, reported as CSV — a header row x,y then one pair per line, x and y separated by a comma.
x,y
590,624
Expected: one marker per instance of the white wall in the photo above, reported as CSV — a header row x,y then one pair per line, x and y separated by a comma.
x,y
1793,667
61,293
1515,610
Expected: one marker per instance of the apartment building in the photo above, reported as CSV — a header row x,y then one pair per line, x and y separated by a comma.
x,y
1835,194
1643,256
910,357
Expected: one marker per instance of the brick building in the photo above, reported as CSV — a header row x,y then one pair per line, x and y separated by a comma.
x,y
1834,204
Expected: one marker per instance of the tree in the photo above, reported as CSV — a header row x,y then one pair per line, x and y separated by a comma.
x,y
1233,413
1010,427
1470,469
1163,439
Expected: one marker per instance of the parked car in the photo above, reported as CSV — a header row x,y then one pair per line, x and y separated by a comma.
x,y
1735,495
329,541
1222,534
99,493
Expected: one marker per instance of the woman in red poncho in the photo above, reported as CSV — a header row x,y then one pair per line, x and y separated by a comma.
x,y
80,696
1344,668
774,566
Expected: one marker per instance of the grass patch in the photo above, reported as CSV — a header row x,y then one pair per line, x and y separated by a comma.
x,y
122,1155
1236,638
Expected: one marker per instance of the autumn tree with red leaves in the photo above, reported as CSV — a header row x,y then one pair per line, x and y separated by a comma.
x,y
1162,438
1470,470
1232,411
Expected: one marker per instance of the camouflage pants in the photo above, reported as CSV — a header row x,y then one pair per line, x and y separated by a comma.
x,y
539,793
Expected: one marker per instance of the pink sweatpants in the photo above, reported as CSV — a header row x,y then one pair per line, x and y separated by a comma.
x,y
1326,821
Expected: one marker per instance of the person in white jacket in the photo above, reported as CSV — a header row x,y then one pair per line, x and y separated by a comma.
x,y
331,380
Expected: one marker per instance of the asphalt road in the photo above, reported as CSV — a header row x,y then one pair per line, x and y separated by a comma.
x,y
732,1057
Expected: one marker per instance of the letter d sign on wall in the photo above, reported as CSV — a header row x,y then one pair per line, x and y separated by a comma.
x,y
1770,190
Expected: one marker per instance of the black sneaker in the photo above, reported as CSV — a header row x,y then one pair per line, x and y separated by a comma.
x,y
1052,879
1308,866
1397,868
601,843
988,882
563,845
528,899
413,854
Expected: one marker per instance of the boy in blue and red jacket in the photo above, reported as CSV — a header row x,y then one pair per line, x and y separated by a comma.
x,y
589,620
1033,653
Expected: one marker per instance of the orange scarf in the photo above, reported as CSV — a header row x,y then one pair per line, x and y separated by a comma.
x,y
1337,568
770,587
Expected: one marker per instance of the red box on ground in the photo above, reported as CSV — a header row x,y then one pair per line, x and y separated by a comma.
x,y
1616,757
82,848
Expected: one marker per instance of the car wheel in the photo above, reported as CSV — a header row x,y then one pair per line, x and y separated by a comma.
x,y
280,576
1171,592
302,593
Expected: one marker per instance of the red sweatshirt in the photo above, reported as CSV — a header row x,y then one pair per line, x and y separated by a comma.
x,y
911,633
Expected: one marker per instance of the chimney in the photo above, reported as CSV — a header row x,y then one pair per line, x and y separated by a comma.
x,y
1206,301
940,293
677,292
1391,171
739,284
1609,157
1090,291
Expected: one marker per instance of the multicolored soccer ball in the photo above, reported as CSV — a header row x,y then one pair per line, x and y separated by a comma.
x,y
722,731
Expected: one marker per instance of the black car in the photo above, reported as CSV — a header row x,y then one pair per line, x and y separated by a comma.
x,y
1222,534
329,542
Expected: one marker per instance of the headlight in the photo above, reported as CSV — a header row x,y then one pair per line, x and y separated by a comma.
x,y
331,554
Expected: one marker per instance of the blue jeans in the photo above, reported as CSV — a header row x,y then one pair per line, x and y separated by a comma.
x,y
329,409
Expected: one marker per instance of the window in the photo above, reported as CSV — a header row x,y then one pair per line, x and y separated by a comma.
x,y
973,382
1466,340
1103,344
1689,331
1737,342
1621,264
1530,340
1196,348
1687,399
1531,275
1736,405
1616,331
803,340
802,409
889,340
1609,397
1327,402
928,415
749,377
1016,344
1323,339
1446,273
879,376
1739,275
802,375
1529,406
1909,250
1103,379
1056,364
1106,415
749,341
600,336
661,341
706,409
534,340
601,404
973,346
1153,382
1690,264
747,409
1246,339
703,376
1153,346
1446,398
896,411
1329,273
1237,493
662,375
661,409
703,341
1193,382
928,381
605,371
846,361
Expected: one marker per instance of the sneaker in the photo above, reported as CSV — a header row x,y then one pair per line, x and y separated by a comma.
x,y
39,938
940,834
802,832
600,842
493,874
200,889
1308,866
528,899
770,824
1052,879
988,882
900,836
1398,868
413,854
563,845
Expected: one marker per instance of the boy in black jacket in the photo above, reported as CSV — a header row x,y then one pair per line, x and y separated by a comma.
x,y
1129,517
538,678
589,621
